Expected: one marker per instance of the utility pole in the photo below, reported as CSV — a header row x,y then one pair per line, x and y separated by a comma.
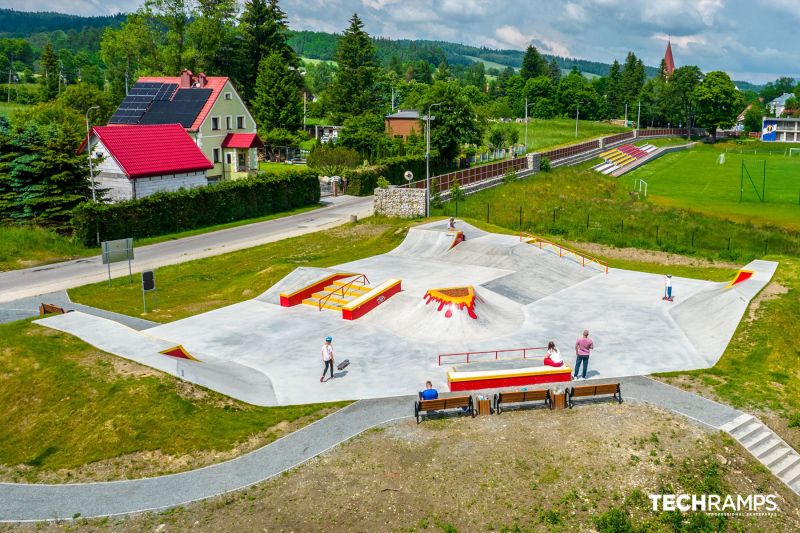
x,y
392,99
639,115
89,151
526,123
626,114
304,110
577,114
428,119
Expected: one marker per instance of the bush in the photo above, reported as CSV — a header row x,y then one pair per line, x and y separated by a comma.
x,y
383,183
170,212
544,165
397,166
457,193
362,181
614,520
510,176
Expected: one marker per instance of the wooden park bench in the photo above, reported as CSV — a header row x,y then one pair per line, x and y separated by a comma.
x,y
443,404
585,391
49,309
520,397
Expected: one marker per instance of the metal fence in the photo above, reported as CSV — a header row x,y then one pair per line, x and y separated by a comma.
x,y
472,175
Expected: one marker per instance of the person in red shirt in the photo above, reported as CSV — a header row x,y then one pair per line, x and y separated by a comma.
x,y
583,346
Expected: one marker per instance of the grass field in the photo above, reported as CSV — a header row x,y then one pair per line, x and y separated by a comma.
x,y
27,246
695,180
560,131
64,404
579,204
268,166
6,108
197,286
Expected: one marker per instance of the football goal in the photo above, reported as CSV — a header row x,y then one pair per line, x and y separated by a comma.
x,y
750,172
794,152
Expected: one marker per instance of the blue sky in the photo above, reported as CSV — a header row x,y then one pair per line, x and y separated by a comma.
x,y
746,38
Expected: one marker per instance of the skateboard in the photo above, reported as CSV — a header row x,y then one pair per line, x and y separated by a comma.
x,y
344,364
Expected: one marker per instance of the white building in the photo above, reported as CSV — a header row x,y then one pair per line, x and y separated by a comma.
x,y
137,161
786,130
778,105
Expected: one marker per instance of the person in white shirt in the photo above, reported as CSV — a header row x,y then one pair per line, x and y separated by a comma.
x,y
327,358
668,287
553,357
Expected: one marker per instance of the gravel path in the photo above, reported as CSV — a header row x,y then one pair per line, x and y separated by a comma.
x,y
26,502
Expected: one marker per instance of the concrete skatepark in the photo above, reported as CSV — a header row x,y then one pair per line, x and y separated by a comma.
x,y
266,354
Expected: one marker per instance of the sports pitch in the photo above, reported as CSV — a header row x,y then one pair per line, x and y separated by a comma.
x,y
696,180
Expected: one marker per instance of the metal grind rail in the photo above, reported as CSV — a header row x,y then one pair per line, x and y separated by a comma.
x,y
497,353
342,289
564,251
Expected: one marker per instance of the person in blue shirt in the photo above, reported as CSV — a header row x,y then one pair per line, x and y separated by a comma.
x,y
429,393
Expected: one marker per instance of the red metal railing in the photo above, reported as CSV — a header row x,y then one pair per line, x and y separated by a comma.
x,y
468,176
496,353
563,251
342,289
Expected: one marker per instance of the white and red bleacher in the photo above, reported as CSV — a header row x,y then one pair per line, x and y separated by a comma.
x,y
623,155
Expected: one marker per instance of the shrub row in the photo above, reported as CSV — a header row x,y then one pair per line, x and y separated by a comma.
x,y
361,181
170,212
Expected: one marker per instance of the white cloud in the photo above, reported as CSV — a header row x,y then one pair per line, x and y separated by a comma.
x,y
681,41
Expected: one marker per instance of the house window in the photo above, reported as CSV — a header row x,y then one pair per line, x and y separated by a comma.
x,y
239,123
215,155
228,158
228,123
214,123
228,96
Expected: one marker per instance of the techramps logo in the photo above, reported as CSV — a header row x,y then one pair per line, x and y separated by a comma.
x,y
716,505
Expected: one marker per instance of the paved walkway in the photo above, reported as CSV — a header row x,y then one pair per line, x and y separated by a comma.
x,y
17,284
29,307
26,502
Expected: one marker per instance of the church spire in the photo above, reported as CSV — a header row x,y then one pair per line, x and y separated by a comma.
x,y
669,63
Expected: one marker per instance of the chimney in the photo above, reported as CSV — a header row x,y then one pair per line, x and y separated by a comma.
x,y
201,79
186,79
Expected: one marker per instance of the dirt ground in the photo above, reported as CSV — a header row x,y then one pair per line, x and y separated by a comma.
x,y
526,470
651,256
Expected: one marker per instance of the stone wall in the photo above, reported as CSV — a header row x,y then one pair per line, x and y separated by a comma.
x,y
401,203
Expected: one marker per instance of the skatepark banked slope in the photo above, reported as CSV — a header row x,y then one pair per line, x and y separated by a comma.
x,y
265,354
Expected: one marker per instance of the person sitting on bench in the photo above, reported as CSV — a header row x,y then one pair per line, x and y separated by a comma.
x,y
429,393
553,357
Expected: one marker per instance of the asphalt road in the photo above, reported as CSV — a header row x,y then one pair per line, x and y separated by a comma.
x,y
44,279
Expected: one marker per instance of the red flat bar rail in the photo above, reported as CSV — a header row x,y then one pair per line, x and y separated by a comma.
x,y
563,250
495,352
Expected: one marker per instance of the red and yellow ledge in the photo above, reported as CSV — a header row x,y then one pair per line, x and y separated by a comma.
x,y
288,299
512,377
370,300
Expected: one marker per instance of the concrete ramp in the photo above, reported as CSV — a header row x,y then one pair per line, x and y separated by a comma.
x,y
709,317
425,243
228,377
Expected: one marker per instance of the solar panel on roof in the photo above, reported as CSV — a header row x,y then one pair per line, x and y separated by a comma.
x,y
137,101
166,91
182,109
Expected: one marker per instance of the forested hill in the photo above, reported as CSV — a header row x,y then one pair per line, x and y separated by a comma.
x,y
23,23
321,45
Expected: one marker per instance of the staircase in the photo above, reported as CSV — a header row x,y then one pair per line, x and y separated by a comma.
x,y
339,293
768,448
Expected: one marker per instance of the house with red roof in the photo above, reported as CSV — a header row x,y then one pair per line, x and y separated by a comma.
x,y
210,110
140,160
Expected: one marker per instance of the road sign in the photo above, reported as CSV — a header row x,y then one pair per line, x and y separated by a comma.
x,y
116,252
149,285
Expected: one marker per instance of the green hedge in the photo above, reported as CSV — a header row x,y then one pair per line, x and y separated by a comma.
x,y
397,166
361,181
171,212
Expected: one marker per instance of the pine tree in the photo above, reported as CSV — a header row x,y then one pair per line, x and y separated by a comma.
x,y
442,72
533,64
50,73
662,70
353,91
633,78
265,30
277,102
554,71
614,94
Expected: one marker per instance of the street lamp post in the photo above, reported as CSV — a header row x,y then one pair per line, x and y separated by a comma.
x,y
428,119
526,123
638,117
89,151
577,114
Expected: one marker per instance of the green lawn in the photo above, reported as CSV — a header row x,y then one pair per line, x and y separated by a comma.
x,y
64,404
197,286
695,180
268,166
546,134
26,246
579,204
6,108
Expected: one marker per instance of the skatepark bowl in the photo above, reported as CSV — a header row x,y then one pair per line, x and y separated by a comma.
x,y
438,292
